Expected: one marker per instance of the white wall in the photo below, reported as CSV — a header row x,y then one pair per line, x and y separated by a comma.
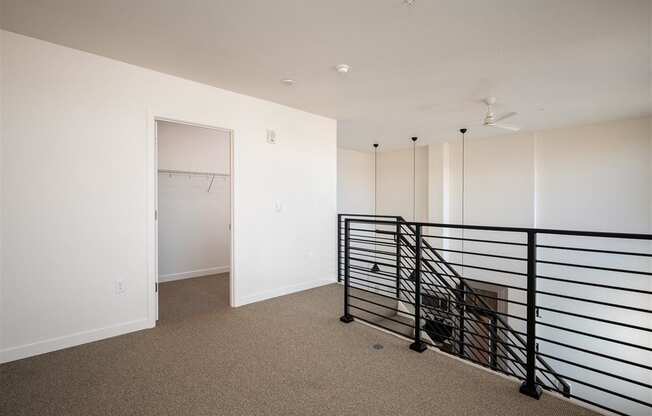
x,y
395,190
193,211
78,193
395,183
355,182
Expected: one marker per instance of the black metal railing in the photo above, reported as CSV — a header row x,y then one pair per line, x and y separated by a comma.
x,y
564,311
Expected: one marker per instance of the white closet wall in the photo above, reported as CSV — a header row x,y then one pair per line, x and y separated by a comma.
x,y
193,222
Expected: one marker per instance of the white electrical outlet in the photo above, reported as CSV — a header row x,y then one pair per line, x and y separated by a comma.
x,y
120,287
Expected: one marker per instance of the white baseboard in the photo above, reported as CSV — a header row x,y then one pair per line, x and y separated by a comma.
x,y
72,340
281,291
193,273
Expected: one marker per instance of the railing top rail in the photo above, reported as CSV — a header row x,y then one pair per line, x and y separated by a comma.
x,y
626,236
367,215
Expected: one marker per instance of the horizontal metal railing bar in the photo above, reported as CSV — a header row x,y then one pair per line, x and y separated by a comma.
x,y
377,304
387,232
470,279
498,342
597,302
622,236
475,253
373,283
477,294
379,252
466,344
375,290
466,265
557,279
593,318
575,331
602,389
358,251
586,266
380,263
366,238
605,373
372,238
370,230
379,294
489,269
598,354
375,276
481,309
381,273
371,256
472,352
475,240
506,330
371,242
381,316
594,250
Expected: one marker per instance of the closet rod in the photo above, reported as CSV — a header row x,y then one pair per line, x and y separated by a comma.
x,y
187,172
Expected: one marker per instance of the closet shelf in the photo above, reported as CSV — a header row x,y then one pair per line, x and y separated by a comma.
x,y
187,172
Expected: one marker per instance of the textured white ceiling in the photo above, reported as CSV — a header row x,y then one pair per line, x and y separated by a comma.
x,y
419,70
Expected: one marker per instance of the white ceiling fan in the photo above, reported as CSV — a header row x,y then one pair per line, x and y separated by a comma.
x,y
490,119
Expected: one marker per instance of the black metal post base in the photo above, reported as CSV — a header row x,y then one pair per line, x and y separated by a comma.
x,y
530,390
346,319
418,346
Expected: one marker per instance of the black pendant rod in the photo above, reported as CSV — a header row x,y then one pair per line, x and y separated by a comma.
x,y
374,267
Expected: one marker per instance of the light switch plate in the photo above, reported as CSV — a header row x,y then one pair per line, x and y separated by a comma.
x,y
271,137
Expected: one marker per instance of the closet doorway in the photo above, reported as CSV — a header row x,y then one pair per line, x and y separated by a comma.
x,y
193,219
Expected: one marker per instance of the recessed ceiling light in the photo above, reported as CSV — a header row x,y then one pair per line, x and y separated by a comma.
x,y
288,81
342,68
409,2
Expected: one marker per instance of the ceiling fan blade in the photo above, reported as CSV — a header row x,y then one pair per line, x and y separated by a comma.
x,y
506,127
505,116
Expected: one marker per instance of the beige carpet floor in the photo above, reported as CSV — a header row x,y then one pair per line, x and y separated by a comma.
x,y
285,356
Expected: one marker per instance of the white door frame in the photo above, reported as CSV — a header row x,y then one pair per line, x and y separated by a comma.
x,y
152,210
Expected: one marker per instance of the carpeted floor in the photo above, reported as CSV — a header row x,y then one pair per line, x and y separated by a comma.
x,y
285,356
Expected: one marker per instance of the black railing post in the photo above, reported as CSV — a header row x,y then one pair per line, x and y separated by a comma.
x,y
398,259
529,386
494,342
339,248
461,308
417,345
346,318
